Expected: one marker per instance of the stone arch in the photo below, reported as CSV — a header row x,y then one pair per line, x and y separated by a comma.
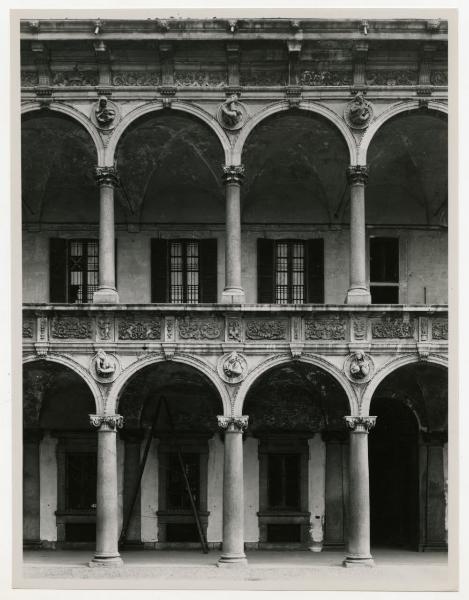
x,y
389,113
77,116
283,359
76,368
389,368
185,359
177,105
278,107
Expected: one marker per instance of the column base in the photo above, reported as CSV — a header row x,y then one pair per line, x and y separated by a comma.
x,y
232,560
233,296
358,561
106,561
315,547
358,296
106,296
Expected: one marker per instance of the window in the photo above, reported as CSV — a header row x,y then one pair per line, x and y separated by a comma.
x,y
176,492
184,271
290,271
80,481
283,481
384,270
74,270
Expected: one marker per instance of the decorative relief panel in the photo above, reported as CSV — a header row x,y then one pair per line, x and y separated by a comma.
x,y
139,78
359,328
76,77
263,78
139,329
327,78
77,328
391,78
232,367
325,329
28,328
200,78
440,329
29,78
439,78
234,330
392,328
200,329
261,329
104,328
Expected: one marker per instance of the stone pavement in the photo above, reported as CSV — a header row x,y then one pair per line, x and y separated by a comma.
x,y
396,570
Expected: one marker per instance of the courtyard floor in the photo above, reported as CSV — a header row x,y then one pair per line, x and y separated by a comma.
x,y
269,570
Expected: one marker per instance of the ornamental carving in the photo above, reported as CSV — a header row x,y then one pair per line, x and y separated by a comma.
x,y
104,329
391,78
29,78
139,329
233,174
199,329
325,329
138,78
233,424
75,78
266,330
104,113
326,78
231,114
359,328
360,424
359,367
359,112
357,174
77,328
107,422
232,367
439,78
440,329
234,330
392,328
28,327
106,176
263,78
199,79
105,365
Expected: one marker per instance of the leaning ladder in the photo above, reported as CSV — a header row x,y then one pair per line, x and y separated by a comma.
x,y
203,541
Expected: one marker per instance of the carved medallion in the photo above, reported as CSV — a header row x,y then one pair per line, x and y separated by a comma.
x,y
232,367
105,114
232,114
104,367
359,367
359,112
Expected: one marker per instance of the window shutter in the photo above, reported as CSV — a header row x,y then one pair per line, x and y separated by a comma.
x,y
265,271
208,270
159,270
57,270
315,271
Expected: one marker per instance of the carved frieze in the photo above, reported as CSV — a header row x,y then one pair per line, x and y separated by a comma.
x,y
138,78
77,328
29,78
28,328
440,329
139,329
391,78
325,329
326,78
359,328
104,329
439,78
263,78
200,78
263,329
200,329
234,330
392,328
77,77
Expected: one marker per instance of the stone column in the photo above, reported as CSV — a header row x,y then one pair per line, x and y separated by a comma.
x,y
31,488
233,292
107,181
233,492
359,291
358,545
107,511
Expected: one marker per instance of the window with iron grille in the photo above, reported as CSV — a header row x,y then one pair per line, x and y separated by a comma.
x,y
177,496
384,270
83,270
290,272
184,271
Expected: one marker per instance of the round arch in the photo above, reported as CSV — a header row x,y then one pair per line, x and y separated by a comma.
x,y
389,113
278,107
283,359
77,116
76,368
177,105
389,368
191,361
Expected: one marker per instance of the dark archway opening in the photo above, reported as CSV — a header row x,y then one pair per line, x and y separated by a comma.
x,y
393,460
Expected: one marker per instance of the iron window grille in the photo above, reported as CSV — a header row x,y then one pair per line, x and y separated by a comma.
x,y
184,285
290,272
82,270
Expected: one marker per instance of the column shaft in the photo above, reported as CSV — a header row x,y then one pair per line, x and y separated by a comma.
x,y
233,291
233,492
358,292
358,545
107,512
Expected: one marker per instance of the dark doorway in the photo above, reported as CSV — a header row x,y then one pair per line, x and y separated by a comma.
x,y
393,459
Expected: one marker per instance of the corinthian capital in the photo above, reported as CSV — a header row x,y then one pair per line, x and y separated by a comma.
x,y
106,176
233,174
234,424
360,424
107,422
357,174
